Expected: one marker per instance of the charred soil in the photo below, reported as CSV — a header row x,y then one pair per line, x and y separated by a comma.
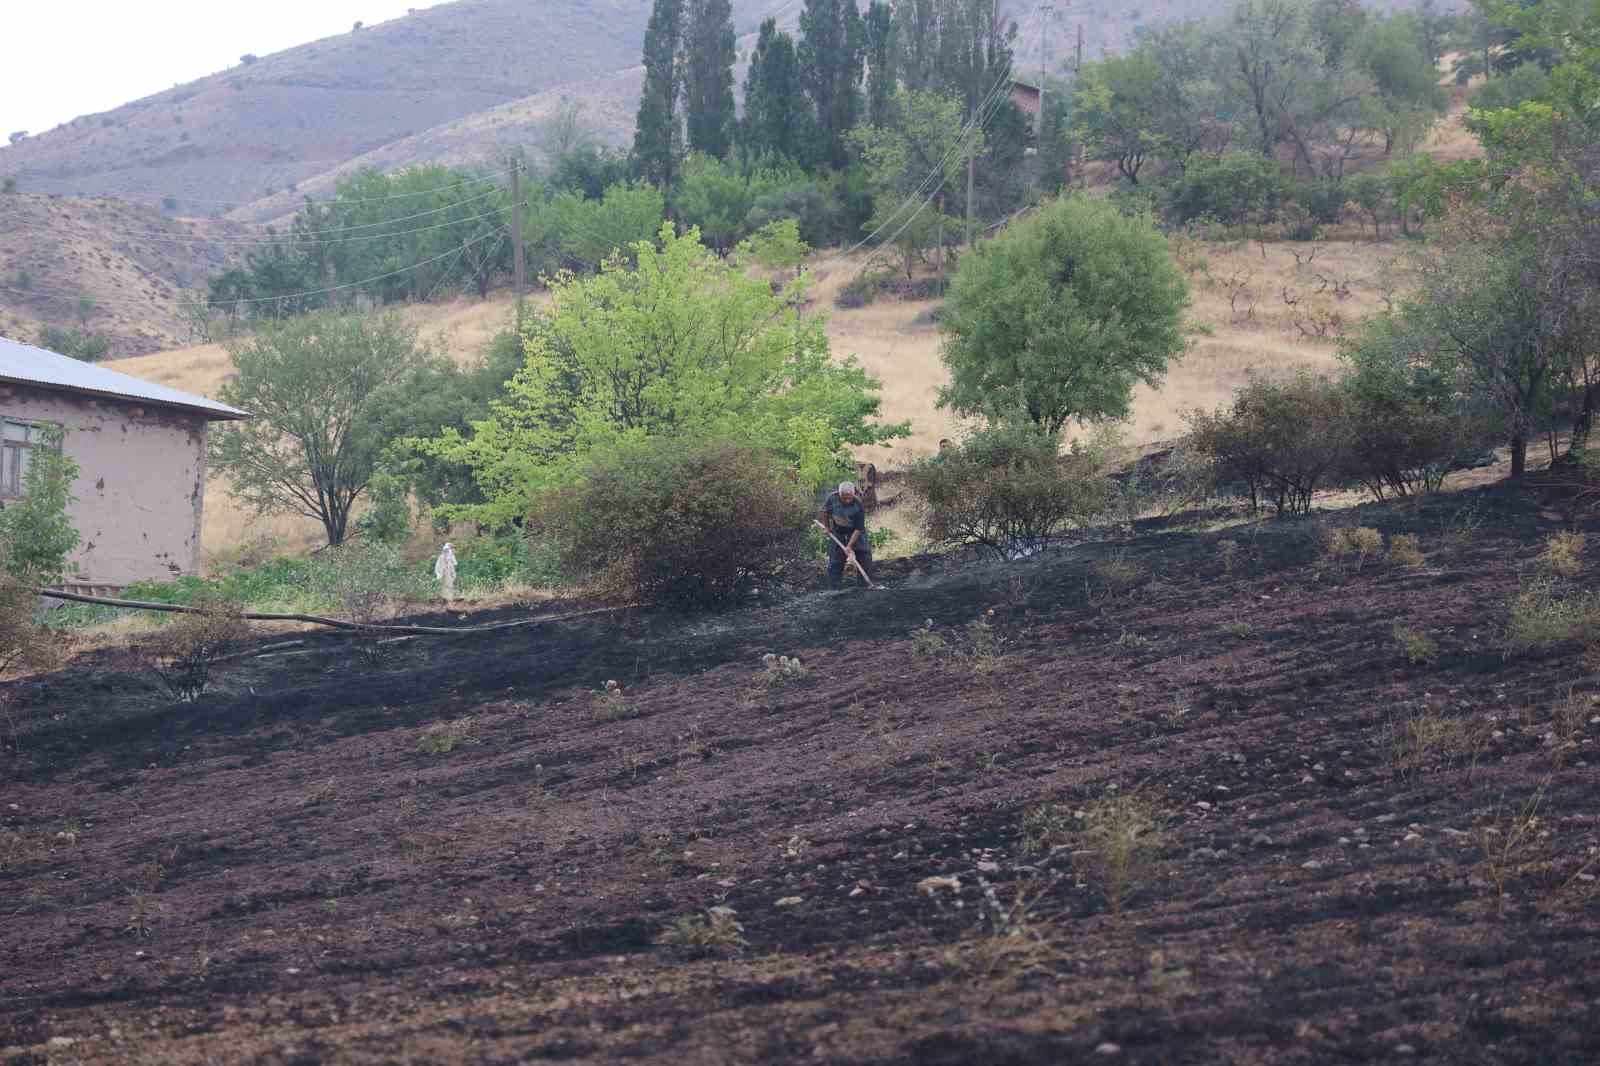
x,y
893,852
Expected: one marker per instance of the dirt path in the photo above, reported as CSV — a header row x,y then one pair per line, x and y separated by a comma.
x,y
469,854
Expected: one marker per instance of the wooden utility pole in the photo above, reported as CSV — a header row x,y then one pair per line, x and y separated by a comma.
x,y
520,265
1046,10
940,240
1077,67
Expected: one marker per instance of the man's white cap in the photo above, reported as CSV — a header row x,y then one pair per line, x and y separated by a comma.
x,y
847,486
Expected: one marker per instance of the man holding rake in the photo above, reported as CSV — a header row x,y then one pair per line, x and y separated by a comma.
x,y
845,519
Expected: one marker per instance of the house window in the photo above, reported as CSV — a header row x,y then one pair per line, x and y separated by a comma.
x,y
17,442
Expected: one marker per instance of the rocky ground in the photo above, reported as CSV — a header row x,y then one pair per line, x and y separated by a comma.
x,y
905,850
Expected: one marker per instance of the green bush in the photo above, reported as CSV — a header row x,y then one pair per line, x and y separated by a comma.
x,y
1281,440
489,564
676,521
1239,187
1007,489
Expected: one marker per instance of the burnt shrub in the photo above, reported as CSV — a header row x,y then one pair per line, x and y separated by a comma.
x,y
1008,489
676,521
185,652
1406,425
1281,440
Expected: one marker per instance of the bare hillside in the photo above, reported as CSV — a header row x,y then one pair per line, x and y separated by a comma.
x,y
130,261
244,133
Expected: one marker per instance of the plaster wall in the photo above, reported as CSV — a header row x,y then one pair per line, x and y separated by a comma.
x,y
140,488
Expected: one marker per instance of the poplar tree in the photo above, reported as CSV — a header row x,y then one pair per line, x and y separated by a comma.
x,y
774,113
880,58
708,52
656,136
832,41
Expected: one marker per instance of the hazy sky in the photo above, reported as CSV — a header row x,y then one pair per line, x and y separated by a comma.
x,y
65,58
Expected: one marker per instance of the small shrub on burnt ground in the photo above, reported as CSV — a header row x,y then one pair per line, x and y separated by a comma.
x,y
1549,612
1015,937
1563,555
1405,550
1418,648
1122,835
1427,738
1046,827
185,652
694,937
779,671
1112,577
611,703
980,645
685,522
372,584
1008,490
928,643
1280,440
1510,839
1569,722
442,738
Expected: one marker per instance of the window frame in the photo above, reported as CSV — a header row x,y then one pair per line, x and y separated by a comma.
x,y
12,451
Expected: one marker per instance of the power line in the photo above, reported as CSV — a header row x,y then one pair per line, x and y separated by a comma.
x,y
345,233
493,175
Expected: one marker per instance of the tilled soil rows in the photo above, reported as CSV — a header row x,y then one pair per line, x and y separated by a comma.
x,y
1363,848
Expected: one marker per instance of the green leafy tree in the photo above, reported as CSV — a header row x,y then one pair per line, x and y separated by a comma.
x,y
898,160
718,199
319,390
657,133
709,50
775,119
1061,316
36,533
586,232
832,55
679,344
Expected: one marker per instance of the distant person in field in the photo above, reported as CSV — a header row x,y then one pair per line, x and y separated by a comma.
x,y
846,518
946,447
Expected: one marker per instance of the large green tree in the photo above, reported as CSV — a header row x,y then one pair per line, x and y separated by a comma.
x,y
709,50
832,59
657,131
1061,316
775,118
682,344
322,391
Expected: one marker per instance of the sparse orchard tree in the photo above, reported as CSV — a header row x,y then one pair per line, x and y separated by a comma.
x,y
318,390
1061,316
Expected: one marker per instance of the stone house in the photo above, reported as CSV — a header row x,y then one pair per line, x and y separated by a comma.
x,y
141,454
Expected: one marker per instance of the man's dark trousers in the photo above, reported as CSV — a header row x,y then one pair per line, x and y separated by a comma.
x,y
837,562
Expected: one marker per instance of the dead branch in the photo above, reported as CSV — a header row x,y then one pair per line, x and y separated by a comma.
x,y
317,620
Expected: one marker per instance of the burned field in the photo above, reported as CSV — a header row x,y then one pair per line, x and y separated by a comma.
x,y
1230,797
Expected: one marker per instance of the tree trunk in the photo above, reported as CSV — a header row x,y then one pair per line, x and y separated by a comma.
x,y
1519,453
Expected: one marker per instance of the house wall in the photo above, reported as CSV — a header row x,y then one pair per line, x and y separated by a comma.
x,y
140,487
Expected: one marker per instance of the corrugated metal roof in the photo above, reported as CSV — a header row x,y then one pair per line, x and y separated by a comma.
x,y
27,365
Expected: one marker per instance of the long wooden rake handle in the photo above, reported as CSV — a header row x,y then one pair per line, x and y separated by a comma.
x,y
848,554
